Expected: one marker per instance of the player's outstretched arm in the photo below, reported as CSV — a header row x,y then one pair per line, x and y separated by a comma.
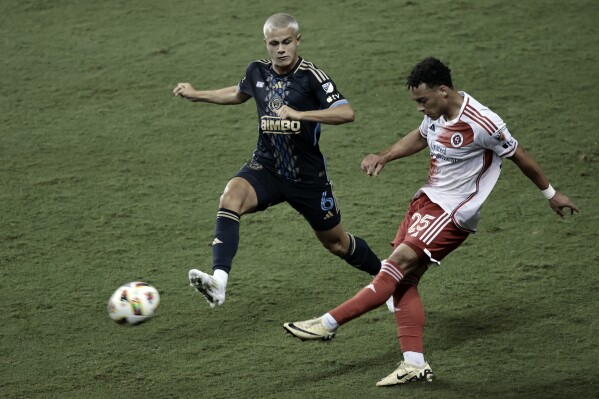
x,y
225,96
532,170
338,115
410,144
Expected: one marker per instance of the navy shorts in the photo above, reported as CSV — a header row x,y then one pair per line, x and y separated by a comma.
x,y
317,203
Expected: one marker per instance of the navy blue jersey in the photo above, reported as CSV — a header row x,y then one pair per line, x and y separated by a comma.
x,y
290,148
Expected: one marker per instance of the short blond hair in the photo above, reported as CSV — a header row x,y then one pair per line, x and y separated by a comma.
x,y
281,20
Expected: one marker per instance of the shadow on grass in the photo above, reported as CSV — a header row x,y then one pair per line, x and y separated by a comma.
x,y
451,329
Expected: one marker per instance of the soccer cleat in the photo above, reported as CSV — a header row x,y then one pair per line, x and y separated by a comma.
x,y
208,286
309,329
405,373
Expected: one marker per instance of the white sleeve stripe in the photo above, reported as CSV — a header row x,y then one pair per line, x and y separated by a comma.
x,y
321,72
479,121
319,78
476,113
308,66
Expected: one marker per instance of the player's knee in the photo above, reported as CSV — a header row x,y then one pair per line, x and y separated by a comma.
x,y
230,200
406,258
335,247
238,196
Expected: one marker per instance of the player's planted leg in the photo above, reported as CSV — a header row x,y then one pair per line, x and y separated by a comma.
x,y
360,256
405,373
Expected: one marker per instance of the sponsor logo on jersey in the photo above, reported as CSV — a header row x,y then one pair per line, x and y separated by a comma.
x,y
498,135
438,148
279,84
276,125
508,144
328,87
259,84
457,139
333,97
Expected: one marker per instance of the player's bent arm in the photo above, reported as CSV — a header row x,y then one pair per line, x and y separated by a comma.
x,y
531,169
410,144
338,115
225,96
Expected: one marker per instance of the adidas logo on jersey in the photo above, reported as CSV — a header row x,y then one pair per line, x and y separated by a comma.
x,y
328,215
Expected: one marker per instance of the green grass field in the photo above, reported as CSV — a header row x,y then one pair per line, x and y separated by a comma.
x,y
106,178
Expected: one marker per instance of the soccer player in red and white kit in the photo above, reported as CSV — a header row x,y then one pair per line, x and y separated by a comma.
x,y
467,142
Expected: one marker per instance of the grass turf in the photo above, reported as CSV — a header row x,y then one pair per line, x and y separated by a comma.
x,y
106,178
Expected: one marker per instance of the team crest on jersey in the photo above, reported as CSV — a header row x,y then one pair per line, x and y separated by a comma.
x,y
457,139
275,103
328,87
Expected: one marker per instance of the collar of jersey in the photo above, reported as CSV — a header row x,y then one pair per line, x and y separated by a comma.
x,y
292,71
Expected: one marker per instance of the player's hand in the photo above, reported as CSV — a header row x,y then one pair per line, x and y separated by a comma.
x,y
373,164
559,202
289,113
184,90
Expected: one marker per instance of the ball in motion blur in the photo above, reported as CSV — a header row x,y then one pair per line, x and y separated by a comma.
x,y
133,303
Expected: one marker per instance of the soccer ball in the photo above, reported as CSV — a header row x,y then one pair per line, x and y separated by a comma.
x,y
133,303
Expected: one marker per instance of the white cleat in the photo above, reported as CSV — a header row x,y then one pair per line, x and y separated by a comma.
x,y
208,286
309,329
405,373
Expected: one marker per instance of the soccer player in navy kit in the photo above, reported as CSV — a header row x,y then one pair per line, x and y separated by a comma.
x,y
293,98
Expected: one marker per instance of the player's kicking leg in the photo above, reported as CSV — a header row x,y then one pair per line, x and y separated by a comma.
x,y
209,286
313,329
238,198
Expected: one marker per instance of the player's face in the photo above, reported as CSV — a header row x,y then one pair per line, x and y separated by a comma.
x,y
430,101
282,44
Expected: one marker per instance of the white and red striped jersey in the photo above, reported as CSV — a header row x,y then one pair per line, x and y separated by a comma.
x,y
465,160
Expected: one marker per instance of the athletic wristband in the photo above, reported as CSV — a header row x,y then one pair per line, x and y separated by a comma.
x,y
549,192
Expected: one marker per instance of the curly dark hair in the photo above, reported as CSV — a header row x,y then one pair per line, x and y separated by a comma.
x,y
430,71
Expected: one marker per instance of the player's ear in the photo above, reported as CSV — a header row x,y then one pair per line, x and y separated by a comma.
x,y
444,91
299,39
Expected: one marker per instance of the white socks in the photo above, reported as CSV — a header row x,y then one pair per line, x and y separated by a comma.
x,y
221,276
329,322
415,358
